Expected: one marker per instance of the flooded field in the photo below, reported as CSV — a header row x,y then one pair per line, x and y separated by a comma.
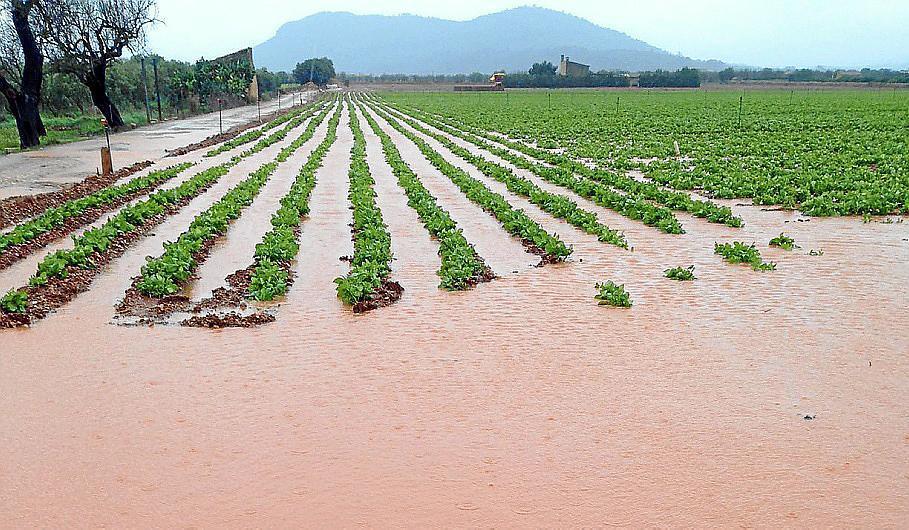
x,y
752,398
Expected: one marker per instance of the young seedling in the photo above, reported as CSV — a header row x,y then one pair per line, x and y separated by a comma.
x,y
612,294
14,302
813,252
738,252
784,242
681,274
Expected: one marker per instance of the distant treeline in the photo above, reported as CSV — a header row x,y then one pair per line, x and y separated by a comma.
x,y
441,79
865,75
542,75
541,78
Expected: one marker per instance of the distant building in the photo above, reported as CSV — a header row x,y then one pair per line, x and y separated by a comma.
x,y
496,84
567,68
497,78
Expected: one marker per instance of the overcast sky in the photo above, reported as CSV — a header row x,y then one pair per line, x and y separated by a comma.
x,y
805,33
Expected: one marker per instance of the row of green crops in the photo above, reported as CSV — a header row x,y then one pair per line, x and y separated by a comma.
x,y
557,205
166,274
130,219
834,152
514,220
57,216
279,246
634,188
257,133
637,209
371,261
461,266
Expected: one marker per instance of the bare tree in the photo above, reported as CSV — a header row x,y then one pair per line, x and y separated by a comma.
x,y
22,64
84,37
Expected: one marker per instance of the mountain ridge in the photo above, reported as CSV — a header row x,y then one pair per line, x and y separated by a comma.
x,y
411,44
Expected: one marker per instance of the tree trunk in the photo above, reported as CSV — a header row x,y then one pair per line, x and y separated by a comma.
x,y
97,87
23,103
25,110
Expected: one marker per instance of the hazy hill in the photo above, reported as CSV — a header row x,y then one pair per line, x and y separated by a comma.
x,y
512,39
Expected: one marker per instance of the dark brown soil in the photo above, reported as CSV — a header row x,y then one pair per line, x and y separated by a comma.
x,y
15,209
233,296
388,293
486,276
229,320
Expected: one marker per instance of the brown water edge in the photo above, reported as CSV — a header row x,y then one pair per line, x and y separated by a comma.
x,y
519,403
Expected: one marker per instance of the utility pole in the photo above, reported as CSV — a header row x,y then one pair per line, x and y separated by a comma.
x,y
157,86
741,102
145,88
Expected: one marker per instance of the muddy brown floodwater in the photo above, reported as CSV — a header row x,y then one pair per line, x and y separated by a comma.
x,y
518,403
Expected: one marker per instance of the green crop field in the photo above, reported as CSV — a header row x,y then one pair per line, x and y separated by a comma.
x,y
833,152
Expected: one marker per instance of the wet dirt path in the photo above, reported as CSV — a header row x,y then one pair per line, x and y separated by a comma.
x,y
51,167
503,253
518,404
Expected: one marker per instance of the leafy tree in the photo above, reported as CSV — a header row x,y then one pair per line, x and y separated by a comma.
x,y
319,71
544,69
85,37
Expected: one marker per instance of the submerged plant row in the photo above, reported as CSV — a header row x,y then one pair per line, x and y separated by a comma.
x,y
56,217
461,266
634,208
514,220
557,205
367,285
634,188
255,134
280,246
